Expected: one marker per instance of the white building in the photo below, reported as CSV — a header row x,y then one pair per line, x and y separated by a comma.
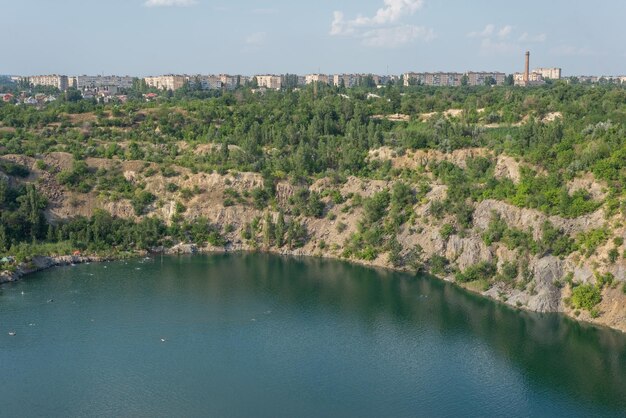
x,y
269,81
166,82
551,73
53,80
316,78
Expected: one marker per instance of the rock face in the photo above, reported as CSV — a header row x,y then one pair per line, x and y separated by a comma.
x,y
546,297
465,252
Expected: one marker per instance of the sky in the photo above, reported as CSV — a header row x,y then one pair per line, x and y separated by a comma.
x,y
151,37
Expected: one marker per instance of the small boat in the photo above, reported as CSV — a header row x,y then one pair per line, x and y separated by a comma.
x,y
12,333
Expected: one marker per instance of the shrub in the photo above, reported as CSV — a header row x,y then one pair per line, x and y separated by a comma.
x,y
376,206
509,271
496,229
438,264
446,231
605,279
484,270
554,241
589,241
141,200
13,169
586,296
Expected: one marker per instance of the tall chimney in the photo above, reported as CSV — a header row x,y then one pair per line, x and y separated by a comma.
x,y
527,68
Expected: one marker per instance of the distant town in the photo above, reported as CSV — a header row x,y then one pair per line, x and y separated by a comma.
x,y
112,87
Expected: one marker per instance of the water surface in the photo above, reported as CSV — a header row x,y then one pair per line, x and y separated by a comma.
x,y
259,335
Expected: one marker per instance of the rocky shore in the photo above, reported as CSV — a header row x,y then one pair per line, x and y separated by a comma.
x,y
42,263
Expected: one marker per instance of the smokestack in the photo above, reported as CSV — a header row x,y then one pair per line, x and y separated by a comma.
x,y
527,68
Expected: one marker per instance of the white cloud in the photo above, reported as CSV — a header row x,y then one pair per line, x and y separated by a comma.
x,y
488,31
397,36
525,37
382,29
496,40
505,31
256,39
169,3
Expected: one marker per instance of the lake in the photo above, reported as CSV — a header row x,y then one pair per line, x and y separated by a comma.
x,y
258,335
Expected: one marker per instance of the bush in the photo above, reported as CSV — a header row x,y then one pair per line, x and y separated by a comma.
x,y
509,271
484,270
141,200
555,241
605,279
496,229
586,296
438,264
13,169
589,241
446,231
376,206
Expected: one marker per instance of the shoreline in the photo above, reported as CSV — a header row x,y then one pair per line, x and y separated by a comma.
x,y
41,263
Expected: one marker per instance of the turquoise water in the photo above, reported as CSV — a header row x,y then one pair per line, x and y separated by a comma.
x,y
266,336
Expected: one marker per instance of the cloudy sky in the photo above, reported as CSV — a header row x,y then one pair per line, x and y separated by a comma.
x,y
143,37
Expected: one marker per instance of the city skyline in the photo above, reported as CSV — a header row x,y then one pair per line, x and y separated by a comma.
x,y
151,37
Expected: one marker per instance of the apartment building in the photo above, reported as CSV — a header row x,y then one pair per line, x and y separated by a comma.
x,y
347,80
229,82
551,73
53,80
433,79
207,82
269,81
481,78
166,82
316,78
98,82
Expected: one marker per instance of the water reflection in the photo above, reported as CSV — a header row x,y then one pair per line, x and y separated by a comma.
x,y
551,350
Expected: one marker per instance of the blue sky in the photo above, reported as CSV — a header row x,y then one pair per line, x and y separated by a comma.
x,y
143,37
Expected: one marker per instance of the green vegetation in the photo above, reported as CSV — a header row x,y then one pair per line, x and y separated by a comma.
x,y
481,271
586,296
